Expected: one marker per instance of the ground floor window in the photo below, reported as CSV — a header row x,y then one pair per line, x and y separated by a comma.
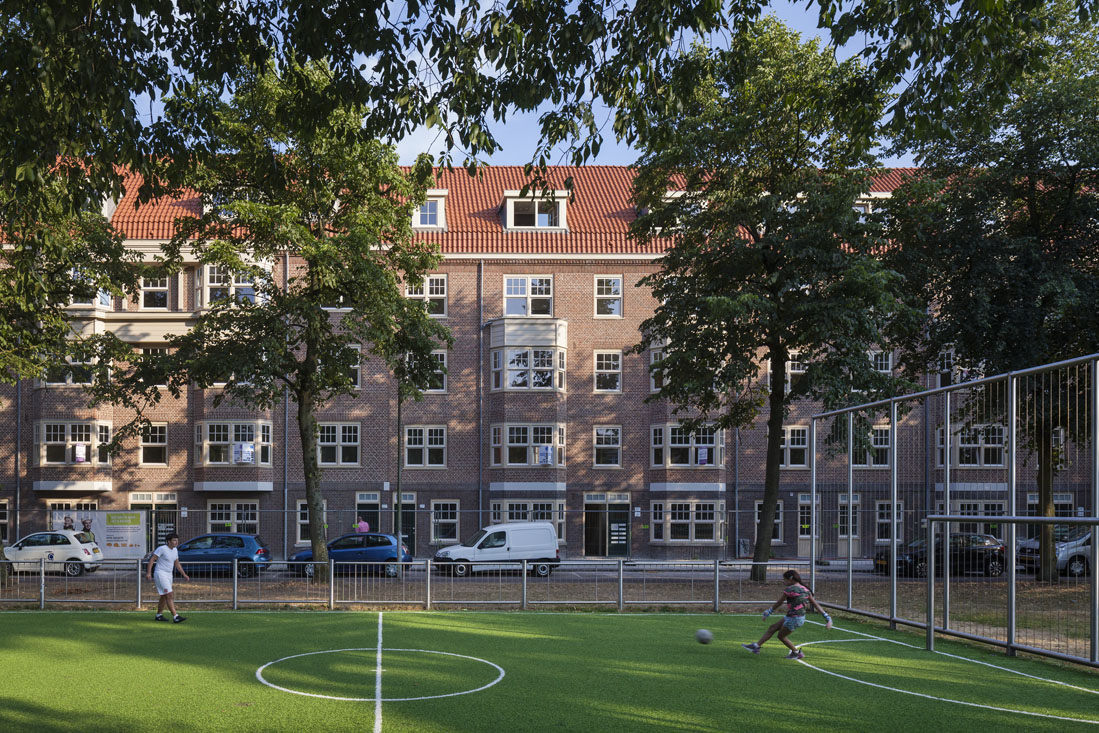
x,y
3,521
227,516
686,521
977,508
368,506
444,521
303,521
883,509
805,516
776,533
535,510
75,508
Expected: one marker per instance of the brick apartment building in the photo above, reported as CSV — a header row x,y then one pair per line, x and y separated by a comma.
x,y
541,414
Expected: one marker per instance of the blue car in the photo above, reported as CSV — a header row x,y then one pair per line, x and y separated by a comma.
x,y
215,552
357,547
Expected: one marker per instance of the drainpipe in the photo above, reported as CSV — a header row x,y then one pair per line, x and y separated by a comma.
x,y
480,394
736,492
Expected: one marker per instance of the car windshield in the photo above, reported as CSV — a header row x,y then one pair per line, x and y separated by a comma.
x,y
83,538
916,543
472,541
1078,533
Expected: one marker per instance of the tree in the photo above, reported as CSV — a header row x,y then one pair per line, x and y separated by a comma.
x,y
78,83
766,254
279,185
1000,234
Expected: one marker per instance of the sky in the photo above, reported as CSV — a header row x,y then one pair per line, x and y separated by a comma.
x,y
519,136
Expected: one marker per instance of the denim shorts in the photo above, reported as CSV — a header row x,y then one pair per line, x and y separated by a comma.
x,y
793,623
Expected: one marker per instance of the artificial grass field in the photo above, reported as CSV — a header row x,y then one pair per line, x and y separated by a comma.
x,y
121,671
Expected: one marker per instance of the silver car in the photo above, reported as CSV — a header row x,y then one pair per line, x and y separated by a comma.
x,y
1073,553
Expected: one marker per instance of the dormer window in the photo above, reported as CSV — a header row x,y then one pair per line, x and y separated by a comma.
x,y
535,211
431,214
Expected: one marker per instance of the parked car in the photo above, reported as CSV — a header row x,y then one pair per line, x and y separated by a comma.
x,y
75,549
356,547
1073,552
215,552
503,547
969,552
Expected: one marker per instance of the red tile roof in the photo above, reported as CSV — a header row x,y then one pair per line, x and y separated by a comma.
x,y
598,216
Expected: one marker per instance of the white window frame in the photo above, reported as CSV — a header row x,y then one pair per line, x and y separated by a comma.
x,y
510,362
664,439
795,438
226,438
433,292
977,507
232,515
503,511
608,366
558,199
882,509
71,378
153,436
445,513
441,355
154,286
519,289
71,435
101,300
778,534
431,443
355,370
238,286
340,436
303,520
437,197
655,356
686,521
805,515
882,362
877,454
975,445
607,441
608,289
847,518
508,439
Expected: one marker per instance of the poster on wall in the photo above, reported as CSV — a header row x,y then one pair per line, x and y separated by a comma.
x,y
119,534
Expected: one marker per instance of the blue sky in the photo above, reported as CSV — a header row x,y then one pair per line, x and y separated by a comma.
x,y
519,136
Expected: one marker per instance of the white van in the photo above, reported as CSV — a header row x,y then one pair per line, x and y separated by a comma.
x,y
503,547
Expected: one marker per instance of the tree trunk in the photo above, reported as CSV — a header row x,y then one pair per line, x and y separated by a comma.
x,y
1047,554
3,567
776,403
314,499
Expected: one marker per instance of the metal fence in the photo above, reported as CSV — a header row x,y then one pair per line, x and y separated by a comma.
x,y
615,584
985,457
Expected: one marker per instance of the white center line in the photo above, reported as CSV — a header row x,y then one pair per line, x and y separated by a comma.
x,y
378,681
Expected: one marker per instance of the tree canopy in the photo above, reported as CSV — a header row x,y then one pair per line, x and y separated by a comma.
x,y
306,246
754,184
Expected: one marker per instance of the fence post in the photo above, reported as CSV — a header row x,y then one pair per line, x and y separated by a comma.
x,y
813,518
41,583
850,516
236,567
948,442
893,498
332,585
138,584
717,586
1009,551
1095,511
427,587
523,604
621,586
931,585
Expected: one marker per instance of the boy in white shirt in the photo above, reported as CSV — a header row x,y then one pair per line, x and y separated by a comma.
x,y
165,559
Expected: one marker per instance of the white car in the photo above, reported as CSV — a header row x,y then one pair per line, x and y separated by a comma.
x,y
74,549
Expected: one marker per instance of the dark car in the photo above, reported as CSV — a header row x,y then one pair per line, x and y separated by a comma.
x,y
358,547
215,552
969,553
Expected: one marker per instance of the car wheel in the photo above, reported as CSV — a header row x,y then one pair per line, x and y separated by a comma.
x,y
390,569
1077,567
74,569
246,569
995,568
307,570
920,569
459,570
541,569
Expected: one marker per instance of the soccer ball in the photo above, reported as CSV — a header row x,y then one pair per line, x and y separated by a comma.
x,y
704,636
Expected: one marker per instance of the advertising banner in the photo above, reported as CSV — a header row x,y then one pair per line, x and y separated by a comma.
x,y
119,534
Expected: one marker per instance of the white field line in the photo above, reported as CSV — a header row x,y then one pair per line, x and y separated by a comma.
x,y
378,681
871,637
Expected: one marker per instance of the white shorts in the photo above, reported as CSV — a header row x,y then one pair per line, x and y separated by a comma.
x,y
163,582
